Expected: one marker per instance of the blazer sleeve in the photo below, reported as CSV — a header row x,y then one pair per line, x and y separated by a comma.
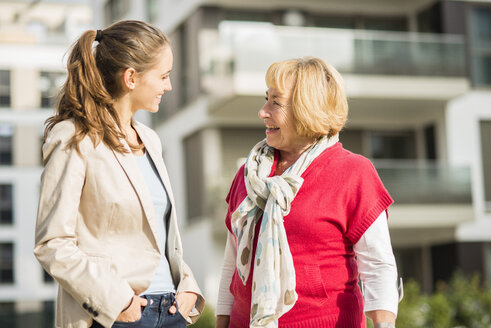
x,y
188,284
88,279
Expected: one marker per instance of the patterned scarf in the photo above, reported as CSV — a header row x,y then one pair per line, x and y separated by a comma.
x,y
273,281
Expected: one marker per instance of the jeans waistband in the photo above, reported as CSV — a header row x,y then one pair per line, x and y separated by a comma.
x,y
161,300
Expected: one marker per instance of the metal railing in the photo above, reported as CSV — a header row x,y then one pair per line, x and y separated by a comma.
x,y
425,182
239,47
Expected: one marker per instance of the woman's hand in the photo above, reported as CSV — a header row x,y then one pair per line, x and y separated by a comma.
x,y
222,321
185,302
133,312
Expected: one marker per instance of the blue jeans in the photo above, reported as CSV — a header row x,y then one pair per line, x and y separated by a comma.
x,y
155,315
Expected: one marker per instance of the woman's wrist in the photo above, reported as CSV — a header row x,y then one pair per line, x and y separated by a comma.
x,y
385,325
128,306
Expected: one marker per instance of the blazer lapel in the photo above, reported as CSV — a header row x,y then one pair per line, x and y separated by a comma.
x,y
130,167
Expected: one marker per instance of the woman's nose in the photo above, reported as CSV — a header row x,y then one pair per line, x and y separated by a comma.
x,y
168,86
263,112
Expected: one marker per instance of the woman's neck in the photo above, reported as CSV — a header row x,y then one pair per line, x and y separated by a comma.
x,y
288,157
123,108
125,113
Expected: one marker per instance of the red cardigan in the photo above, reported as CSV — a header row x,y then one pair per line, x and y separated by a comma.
x,y
340,198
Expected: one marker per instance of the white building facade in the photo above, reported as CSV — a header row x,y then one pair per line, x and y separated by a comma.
x,y
34,38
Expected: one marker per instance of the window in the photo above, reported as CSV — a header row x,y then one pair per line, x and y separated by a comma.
x,y
6,133
430,19
194,177
486,161
152,10
393,145
6,204
385,23
360,22
4,88
345,22
50,84
116,9
410,263
7,308
247,15
481,45
430,142
6,263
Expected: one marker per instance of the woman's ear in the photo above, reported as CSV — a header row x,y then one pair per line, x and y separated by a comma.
x,y
129,78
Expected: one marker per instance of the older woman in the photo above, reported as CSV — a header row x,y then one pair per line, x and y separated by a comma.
x,y
306,216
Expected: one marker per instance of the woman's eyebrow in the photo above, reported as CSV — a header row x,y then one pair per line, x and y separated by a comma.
x,y
274,96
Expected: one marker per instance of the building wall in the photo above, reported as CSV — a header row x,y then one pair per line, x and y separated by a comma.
x,y
464,139
32,52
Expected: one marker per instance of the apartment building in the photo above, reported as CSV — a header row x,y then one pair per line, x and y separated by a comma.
x,y
418,77
34,37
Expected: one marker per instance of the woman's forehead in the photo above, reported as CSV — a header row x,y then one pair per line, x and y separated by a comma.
x,y
276,93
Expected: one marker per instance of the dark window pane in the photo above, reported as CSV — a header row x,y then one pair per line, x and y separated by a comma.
x,y
409,263
482,70
6,263
194,177
116,9
385,23
333,22
480,32
486,160
7,308
4,88
481,27
6,204
6,132
50,84
430,142
393,145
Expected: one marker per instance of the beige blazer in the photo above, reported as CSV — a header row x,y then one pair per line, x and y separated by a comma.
x,y
96,228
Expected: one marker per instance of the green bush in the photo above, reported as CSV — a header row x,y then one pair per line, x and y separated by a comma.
x,y
462,302
414,308
207,319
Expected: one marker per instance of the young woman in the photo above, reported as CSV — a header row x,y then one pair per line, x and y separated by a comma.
x,y
107,225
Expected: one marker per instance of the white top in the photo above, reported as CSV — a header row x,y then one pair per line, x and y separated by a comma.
x,y
376,265
162,281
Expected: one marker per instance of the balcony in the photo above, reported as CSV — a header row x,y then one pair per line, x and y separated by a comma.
x,y
425,182
426,196
238,54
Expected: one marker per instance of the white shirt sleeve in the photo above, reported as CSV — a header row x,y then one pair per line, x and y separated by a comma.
x,y
225,298
377,267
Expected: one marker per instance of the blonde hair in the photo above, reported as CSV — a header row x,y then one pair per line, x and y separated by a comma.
x,y
93,81
318,98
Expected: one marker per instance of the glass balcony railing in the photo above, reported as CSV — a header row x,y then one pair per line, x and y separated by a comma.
x,y
425,183
248,48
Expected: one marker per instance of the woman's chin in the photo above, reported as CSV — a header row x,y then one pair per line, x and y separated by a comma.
x,y
151,110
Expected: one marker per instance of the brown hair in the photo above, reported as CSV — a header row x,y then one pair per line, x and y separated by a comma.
x,y
318,101
93,80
